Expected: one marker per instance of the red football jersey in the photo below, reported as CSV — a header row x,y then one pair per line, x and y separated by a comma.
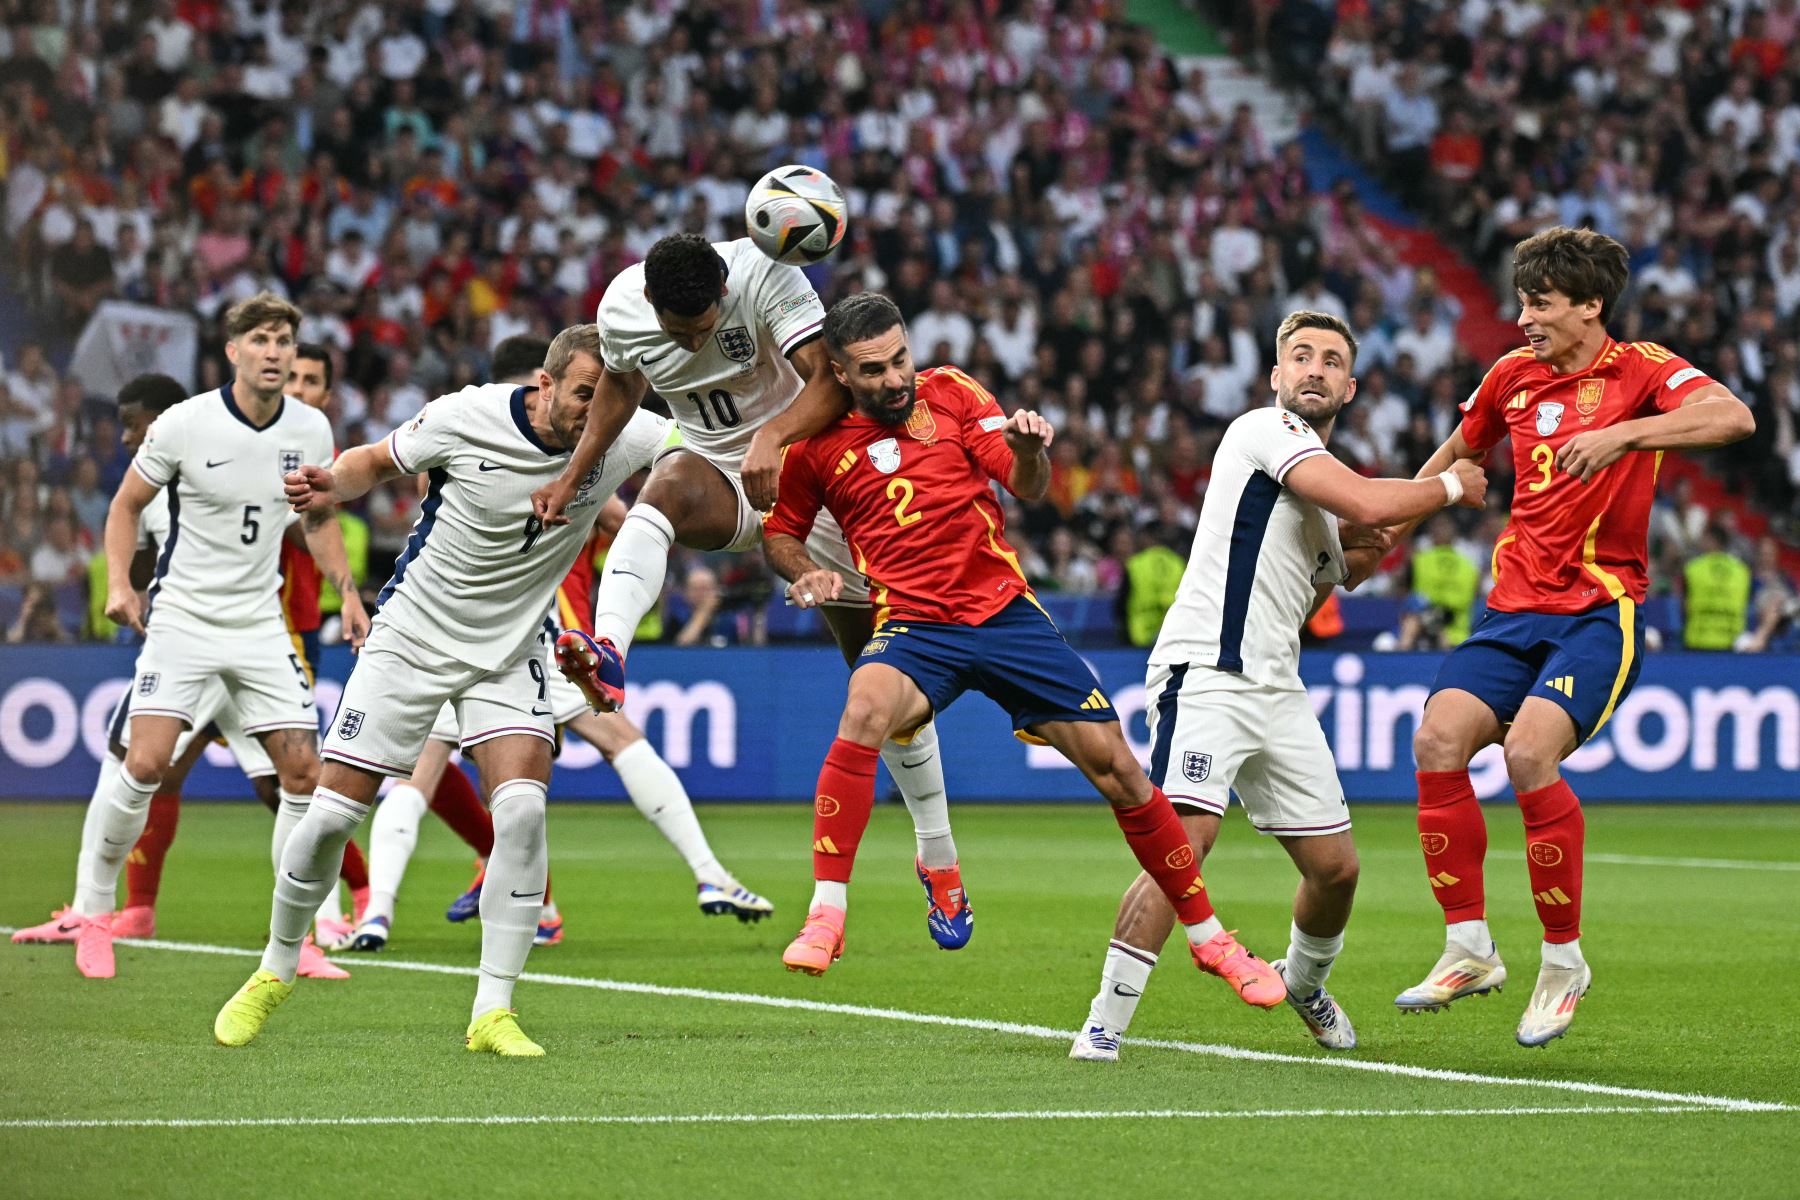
x,y
575,594
1572,546
914,502
300,577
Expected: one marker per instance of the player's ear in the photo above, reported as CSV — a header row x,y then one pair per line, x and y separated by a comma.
x,y
1350,393
1275,378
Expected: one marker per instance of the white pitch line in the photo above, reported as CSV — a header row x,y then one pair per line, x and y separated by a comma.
x,y
1722,1103
1223,1114
1719,864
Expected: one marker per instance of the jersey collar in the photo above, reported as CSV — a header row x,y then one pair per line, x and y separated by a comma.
x,y
231,406
523,420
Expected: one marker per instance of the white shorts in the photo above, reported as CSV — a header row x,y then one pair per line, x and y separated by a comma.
x,y
400,686
215,709
1212,731
259,671
825,544
563,698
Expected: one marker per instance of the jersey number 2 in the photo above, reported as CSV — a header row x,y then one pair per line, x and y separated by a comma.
x,y
901,489
724,409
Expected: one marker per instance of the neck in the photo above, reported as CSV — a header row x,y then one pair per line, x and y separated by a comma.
x,y
1581,354
537,411
1324,428
254,404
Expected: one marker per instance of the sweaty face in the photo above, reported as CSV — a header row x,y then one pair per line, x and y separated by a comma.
x,y
306,382
264,357
879,372
570,397
1554,325
1312,377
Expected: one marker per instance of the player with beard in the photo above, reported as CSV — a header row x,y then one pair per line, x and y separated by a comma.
x,y
1224,700
909,477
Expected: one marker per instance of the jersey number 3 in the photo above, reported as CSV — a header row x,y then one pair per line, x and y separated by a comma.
x,y
1541,458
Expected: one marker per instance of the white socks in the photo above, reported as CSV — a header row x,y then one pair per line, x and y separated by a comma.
x,y
1205,931
115,820
1563,954
392,837
1309,960
512,898
288,813
310,864
1472,936
918,771
632,580
657,792
831,893
1122,983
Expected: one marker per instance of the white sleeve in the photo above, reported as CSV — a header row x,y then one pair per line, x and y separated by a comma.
x,y
1273,440
615,321
324,446
642,439
787,306
159,458
429,439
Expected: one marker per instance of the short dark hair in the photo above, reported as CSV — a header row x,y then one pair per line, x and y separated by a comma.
x,y
857,318
517,356
314,352
155,394
260,309
576,339
683,274
1579,263
1308,319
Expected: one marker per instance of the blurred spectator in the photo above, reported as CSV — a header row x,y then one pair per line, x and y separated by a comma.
x,y
1774,604
1716,594
1445,582
38,620
1152,580
59,558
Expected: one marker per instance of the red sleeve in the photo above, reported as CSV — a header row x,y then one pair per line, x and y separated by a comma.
x,y
799,496
1668,378
982,420
1484,422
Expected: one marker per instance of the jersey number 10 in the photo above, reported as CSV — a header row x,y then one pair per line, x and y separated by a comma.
x,y
724,409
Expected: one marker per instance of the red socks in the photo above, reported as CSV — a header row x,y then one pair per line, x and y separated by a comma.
x,y
1155,835
458,805
1454,837
144,865
1554,830
355,873
841,807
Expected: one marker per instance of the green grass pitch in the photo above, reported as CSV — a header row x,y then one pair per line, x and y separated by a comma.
x,y
1696,968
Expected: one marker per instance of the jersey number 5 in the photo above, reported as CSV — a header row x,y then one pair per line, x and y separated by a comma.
x,y
901,489
724,409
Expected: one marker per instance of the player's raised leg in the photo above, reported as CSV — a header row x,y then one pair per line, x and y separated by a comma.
x,y
1542,735
515,768
881,702
1161,846
916,767
1453,833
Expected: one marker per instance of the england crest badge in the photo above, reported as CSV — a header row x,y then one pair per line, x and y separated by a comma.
x,y
885,454
1196,767
350,724
1549,416
736,343
290,462
147,683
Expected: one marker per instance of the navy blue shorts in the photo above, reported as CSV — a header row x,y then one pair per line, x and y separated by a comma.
x,y
1016,658
1584,663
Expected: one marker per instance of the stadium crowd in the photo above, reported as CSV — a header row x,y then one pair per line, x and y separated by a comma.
x,y
1056,207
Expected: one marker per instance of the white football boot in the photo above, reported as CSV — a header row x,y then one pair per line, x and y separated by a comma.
x,y
1460,972
1323,1015
1553,1001
1095,1043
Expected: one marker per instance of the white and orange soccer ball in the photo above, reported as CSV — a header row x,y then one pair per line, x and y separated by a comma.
x,y
796,214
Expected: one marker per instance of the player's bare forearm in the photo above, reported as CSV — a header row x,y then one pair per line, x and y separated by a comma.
x,y
1028,436
1361,563
1378,503
821,401
788,556
122,517
1321,593
358,471
325,542
1710,417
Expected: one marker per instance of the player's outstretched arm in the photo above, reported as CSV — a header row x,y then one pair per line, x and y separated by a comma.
x,y
1028,436
616,397
325,539
353,474
1710,416
811,585
821,401
122,604
1340,491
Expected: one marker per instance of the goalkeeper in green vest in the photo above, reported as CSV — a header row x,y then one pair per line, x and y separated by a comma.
x,y
1716,595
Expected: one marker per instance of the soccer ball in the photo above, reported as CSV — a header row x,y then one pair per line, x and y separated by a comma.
x,y
796,214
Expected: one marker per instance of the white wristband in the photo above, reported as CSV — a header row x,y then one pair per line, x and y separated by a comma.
x,y
1452,487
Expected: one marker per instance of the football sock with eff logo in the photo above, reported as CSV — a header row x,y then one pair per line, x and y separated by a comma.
x,y
1554,832
1453,835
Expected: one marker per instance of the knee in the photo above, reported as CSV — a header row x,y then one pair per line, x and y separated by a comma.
x,y
1338,874
518,810
144,767
1121,781
866,721
1529,766
1436,747
301,779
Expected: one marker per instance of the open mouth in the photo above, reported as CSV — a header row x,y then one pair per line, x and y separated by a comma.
x,y
1538,340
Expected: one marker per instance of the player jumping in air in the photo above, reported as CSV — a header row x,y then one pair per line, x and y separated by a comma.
x,y
462,620
1226,707
730,339
1561,643
213,610
909,476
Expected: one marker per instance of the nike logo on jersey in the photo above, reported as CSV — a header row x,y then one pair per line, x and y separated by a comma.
x,y
540,712
644,362
1120,989
485,465
220,463
526,895
297,879
623,571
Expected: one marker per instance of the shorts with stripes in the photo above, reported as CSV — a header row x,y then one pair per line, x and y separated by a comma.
x,y
400,684
1213,732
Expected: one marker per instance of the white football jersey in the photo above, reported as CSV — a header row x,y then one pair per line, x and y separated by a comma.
x,y
479,569
741,378
219,565
1257,555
